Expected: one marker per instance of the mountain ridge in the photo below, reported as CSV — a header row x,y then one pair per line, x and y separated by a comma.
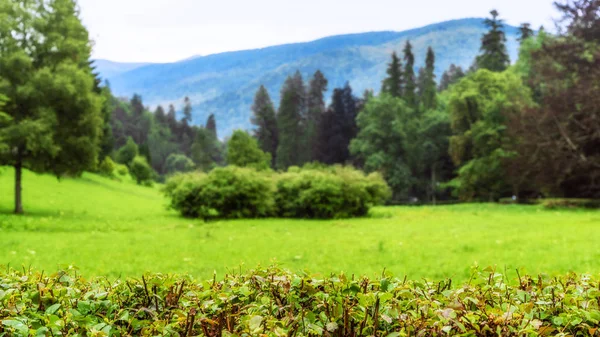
x,y
224,83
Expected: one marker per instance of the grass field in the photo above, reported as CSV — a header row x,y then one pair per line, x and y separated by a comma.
x,y
109,228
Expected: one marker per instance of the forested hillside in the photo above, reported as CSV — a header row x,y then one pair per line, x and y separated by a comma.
x,y
224,84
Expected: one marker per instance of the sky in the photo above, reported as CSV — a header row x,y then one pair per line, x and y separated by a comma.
x,y
171,30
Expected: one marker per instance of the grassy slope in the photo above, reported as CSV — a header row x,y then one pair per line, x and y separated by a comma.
x,y
111,228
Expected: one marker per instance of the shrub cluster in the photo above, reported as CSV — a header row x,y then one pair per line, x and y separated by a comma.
x,y
273,302
234,192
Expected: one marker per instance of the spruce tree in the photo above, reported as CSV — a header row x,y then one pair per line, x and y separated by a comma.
x,y
187,111
393,84
264,119
494,55
211,125
53,118
160,116
451,76
172,120
315,110
525,32
427,85
410,85
289,122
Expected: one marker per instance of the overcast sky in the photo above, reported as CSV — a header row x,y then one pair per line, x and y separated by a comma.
x,y
170,30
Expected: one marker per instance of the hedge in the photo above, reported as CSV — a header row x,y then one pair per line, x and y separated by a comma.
x,y
274,302
233,192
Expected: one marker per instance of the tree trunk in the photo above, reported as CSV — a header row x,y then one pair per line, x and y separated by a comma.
x,y
18,179
433,185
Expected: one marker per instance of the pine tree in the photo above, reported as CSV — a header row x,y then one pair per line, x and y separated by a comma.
x,y
187,111
160,115
525,32
289,122
315,110
211,125
55,118
338,127
451,76
427,85
410,85
494,55
264,119
393,84
172,120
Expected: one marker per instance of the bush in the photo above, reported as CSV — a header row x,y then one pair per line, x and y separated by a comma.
x,y
334,192
179,163
233,192
274,302
107,167
127,153
571,203
122,170
228,192
141,171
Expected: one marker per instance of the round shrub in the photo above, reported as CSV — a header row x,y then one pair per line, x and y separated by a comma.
x,y
122,170
179,163
229,192
141,171
107,167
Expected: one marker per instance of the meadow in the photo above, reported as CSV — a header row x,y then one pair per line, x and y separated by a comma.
x,y
118,229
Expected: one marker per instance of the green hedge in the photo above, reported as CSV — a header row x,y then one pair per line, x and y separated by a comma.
x,y
273,302
233,192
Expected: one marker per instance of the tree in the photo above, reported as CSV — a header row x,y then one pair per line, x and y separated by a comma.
x,y
206,151
451,76
160,116
338,127
187,111
427,85
289,122
179,163
172,120
243,151
141,171
480,106
128,152
410,85
264,119
316,109
211,125
46,77
394,84
525,32
494,55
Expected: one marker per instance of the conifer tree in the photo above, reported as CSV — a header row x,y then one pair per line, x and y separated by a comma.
x,y
525,32
427,85
289,122
187,111
160,115
211,125
393,84
451,76
315,110
264,119
410,85
494,55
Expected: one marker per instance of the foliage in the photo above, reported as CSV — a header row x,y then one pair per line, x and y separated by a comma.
x,y
122,170
393,84
55,122
314,117
410,86
128,152
451,76
480,106
274,302
179,163
335,192
494,54
206,150
228,192
289,122
266,133
427,85
141,171
243,151
107,167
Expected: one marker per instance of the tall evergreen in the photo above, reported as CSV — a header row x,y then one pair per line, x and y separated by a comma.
x,y
525,32
211,125
494,55
187,111
393,83
427,85
160,115
172,119
315,110
289,122
451,76
410,85
264,119
338,127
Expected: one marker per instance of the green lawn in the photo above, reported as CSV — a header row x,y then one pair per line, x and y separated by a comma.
x,y
118,229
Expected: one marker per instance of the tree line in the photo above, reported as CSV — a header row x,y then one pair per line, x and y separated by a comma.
x,y
493,130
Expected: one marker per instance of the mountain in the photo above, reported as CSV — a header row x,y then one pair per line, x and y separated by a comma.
x,y
224,84
109,69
